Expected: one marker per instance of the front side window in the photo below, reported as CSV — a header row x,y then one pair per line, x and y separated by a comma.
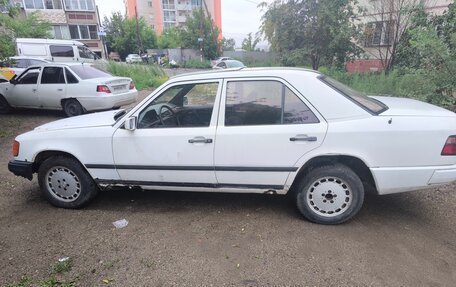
x,y
264,103
188,105
29,77
61,51
53,75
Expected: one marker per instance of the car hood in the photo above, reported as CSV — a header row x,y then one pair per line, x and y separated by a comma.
x,y
84,121
409,107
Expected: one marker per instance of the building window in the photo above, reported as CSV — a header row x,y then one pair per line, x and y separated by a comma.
x,y
169,16
83,32
168,4
196,3
60,32
149,3
84,5
379,33
34,4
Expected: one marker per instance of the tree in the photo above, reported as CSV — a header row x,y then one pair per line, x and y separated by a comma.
x,y
249,44
122,35
228,44
12,26
313,30
389,20
170,38
200,27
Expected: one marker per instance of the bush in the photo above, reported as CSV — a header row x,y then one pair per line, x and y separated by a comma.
x,y
144,76
197,64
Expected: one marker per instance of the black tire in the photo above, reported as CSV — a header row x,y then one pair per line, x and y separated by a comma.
x,y
65,183
72,108
4,106
330,194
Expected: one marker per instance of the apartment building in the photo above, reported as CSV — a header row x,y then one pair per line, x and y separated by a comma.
x,y
379,25
162,14
70,19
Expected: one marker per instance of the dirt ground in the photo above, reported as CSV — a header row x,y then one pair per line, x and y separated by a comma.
x,y
203,239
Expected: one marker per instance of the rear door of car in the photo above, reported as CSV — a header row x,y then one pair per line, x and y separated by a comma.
x,y
264,127
52,87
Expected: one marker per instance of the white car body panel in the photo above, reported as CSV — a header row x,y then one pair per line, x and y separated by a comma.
x,y
401,147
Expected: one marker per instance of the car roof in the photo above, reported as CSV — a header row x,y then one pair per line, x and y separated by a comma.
x,y
29,58
243,72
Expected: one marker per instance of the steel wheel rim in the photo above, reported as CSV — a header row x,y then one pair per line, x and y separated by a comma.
x,y
72,109
63,184
329,196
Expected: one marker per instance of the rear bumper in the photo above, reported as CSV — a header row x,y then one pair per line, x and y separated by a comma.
x,y
401,179
21,168
109,101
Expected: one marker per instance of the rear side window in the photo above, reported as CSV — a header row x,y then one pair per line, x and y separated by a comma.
x,y
53,75
264,103
61,51
87,72
71,79
20,63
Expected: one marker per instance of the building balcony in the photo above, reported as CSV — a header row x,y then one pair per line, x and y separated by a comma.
x,y
169,7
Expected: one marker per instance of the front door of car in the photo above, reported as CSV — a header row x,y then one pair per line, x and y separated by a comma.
x,y
24,92
265,126
173,143
52,87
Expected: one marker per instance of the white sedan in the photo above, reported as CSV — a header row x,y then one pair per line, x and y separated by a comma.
x,y
133,58
272,131
74,88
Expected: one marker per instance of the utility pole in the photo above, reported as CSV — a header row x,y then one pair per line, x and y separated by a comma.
x,y
100,32
201,37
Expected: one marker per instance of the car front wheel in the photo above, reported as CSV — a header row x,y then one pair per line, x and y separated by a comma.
x,y
65,183
330,194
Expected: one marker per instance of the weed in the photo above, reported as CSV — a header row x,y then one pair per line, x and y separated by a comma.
x,y
61,267
24,282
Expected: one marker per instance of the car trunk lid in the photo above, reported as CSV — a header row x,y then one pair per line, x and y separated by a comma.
x,y
410,107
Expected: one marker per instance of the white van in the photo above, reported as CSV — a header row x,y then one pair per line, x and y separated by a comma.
x,y
55,50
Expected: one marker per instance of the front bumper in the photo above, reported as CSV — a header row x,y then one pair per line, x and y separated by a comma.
x,y
21,168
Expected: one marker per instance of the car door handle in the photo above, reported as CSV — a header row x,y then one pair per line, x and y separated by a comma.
x,y
303,138
33,90
200,140
59,90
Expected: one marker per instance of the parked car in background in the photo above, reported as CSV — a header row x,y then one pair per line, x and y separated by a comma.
x,y
74,88
133,58
219,59
248,130
18,64
227,64
55,50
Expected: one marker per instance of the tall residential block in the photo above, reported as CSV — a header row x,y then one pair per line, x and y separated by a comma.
x,y
162,14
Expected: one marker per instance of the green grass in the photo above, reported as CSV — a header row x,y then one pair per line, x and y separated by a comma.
x,y
144,76
197,64
51,281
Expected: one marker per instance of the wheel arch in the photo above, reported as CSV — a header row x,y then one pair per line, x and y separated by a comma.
x,y
44,155
353,162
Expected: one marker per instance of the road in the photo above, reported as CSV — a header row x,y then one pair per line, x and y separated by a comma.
x,y
204,239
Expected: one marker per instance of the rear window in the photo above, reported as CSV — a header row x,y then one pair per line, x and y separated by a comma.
x,y
87,72
369,104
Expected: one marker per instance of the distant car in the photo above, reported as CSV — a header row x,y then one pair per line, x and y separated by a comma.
x,y
268,131
75,88
227,64
18,64
219,59
133,58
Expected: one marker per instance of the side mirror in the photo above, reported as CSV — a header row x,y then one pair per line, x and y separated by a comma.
x,y
13,81
130,124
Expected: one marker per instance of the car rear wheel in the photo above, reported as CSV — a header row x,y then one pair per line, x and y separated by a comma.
x,y
72,108
4,106
65,183
330,194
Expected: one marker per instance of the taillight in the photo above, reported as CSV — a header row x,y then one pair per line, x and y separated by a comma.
x,y
103,89
132,85
450,146
15,148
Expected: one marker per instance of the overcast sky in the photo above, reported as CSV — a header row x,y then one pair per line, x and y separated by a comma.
x,y
239,17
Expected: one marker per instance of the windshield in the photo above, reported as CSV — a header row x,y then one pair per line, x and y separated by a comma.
x,y
87,72
372,105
